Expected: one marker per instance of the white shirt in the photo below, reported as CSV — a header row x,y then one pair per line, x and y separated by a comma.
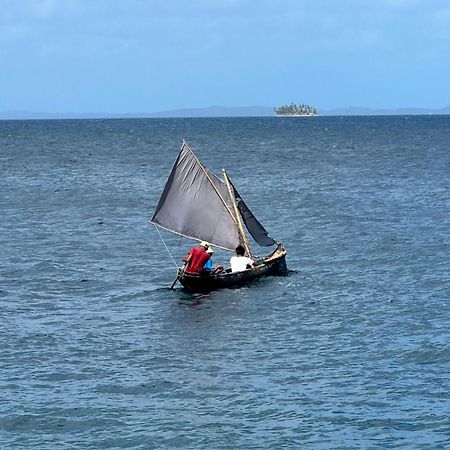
x,y
239,263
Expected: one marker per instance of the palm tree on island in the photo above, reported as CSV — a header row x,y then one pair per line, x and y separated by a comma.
x,y
295,110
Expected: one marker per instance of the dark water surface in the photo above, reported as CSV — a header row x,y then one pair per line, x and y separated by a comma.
x,y
351,351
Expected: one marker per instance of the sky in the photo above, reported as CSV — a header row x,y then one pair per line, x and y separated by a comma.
x,y
134,56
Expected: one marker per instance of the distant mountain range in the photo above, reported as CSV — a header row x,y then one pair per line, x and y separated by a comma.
x,y
220,111
360,111
210,111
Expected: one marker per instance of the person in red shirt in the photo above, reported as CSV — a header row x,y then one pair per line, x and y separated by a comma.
x,y
196,258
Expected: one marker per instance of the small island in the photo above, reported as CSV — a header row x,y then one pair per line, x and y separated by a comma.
x,y
295,110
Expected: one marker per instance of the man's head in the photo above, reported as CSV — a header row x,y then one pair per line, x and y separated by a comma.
x,y
204,244
240,251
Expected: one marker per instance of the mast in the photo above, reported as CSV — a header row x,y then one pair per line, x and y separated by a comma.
x,y
238,215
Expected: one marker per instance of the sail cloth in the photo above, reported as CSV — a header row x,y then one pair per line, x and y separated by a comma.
x,y
196,204
252,224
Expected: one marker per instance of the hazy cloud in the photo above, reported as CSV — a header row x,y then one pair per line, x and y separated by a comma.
x,y
181,53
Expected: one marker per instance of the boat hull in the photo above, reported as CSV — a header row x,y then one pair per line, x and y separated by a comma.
x,y
272,265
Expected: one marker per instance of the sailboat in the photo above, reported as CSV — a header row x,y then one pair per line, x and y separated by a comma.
x,y
196,204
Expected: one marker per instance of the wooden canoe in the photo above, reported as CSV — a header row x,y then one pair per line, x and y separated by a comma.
x,y
273,264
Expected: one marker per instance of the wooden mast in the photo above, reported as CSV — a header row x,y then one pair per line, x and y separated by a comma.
x,y
238,215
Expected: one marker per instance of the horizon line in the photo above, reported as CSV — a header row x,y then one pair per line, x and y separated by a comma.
x,y
217,111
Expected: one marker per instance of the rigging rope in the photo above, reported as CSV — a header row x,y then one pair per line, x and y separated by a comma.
x,y
167,248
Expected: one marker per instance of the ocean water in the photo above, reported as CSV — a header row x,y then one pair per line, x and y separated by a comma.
x,y
350,351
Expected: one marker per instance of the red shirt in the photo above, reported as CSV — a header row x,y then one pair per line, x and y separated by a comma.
x,y
198,259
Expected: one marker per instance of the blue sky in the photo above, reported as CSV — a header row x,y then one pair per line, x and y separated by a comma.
x,y
127,56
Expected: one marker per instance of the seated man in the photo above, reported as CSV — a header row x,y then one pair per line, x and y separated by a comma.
x,y
208,268
196,258
241,262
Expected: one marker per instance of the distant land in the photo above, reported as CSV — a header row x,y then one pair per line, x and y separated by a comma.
x,y
220,111
296,110
361,111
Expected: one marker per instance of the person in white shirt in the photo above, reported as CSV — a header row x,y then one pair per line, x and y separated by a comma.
x,y
241,262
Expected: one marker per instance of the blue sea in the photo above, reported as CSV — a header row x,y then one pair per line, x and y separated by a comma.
x,y
350,351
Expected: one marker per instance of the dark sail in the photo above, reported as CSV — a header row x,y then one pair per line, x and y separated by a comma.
x,y
252,224
196,204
